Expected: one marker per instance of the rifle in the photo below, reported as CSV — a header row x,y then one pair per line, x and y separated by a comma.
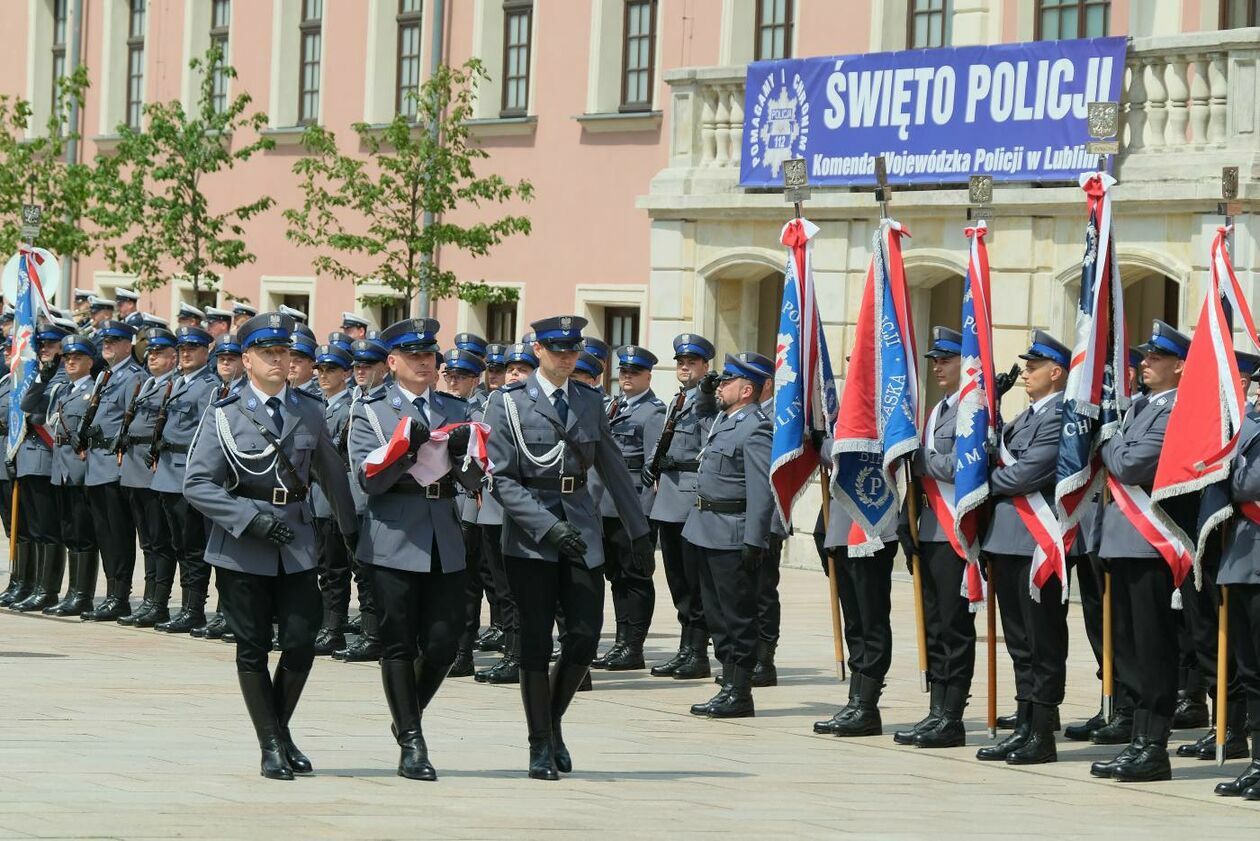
x,y
159,425
94,404
120,442
667,433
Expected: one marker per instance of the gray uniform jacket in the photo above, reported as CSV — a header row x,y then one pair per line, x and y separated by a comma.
x,y
491,512
734,468
102,464
940,466
1241,561
676,488
67,408
135,473
34,457
468,498
633,428
1131,456
337,419
529,513
401,528
213,483
184,411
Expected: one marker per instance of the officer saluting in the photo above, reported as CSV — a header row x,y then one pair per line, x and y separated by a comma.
x,y
249,473
548,431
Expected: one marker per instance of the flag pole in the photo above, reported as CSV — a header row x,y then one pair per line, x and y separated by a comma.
x,y
1229,208
32,215
796,190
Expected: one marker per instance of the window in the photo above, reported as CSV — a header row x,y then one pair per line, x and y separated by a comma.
x,y
301,303
135,63
58,44
621,327
392,312
501,323
928,25
1058,19
312,36
220,23
774,29
518,16
409,20
1235,14
638,54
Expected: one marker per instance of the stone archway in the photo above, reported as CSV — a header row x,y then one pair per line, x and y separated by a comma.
x,y
1155,286
936,287
742,296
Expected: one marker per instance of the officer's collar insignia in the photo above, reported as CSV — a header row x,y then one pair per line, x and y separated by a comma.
x,y
397,401
292,397
1161,401
533,392
253,404
274,321
740,416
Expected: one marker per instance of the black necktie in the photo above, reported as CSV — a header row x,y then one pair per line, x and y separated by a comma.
x,y
562,405
419,404
277,420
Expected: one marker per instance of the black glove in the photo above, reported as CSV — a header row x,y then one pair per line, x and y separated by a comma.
x,y
457,441
419,434
1004,382
351,542
91,435
269,527
708,383
47,370
668,463
149,459
750,559
908,545
818,438
643,554
567,540
649,478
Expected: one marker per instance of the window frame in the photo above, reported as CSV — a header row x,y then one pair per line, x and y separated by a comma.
x,y
220,35
135,53
307,27
626,107
1253,15
1039,9
913,14
759,27
513,9
60,29
506,310
635,314
407,19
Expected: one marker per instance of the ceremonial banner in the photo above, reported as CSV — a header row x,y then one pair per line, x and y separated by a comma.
x,y
433,460
878,414
804,388
976,420
28,303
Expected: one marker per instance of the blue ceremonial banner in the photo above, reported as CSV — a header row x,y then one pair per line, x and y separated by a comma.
x,y
23,365
1013,111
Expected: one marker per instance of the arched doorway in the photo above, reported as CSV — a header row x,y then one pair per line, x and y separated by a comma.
x,y
745,299
936,289
1151,291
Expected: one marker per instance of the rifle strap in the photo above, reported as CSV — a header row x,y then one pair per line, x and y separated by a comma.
x,y
282,458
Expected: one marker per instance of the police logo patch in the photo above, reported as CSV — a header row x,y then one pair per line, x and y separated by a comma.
x,y
397,402
533,392
252,404
274,321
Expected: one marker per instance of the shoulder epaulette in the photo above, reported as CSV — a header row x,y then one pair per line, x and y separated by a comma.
x,y
516,386
308,395
371,396
762,415
231,398
442,395
656,401
586,386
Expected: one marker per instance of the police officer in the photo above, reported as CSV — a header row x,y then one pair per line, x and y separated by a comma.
x,y
6,475
769,608
727,531
355,326
195,386
1035,629
302,362
1145,636
111,515
189,316
242,312
127,307
548,431
411,541
218,321
332,367
300,319
249,473
636,417
496,365
950,624
136,479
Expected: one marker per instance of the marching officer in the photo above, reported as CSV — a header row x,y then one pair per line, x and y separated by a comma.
x,y
249,473
342,340
111,515
241,313
127,307
411,541
1035,629
332,366
636,418
195,387
355,326
727,531
951,626
189,316
302,364
548,431
496,364
135,445
1145,637
218,321
676,496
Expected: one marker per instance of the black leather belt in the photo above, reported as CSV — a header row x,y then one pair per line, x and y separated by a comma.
x,y
563,484
685,466
438,490
738,506
140,439
174,448
635,463
276,496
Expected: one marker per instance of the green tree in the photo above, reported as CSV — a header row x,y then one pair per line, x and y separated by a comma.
x,y
34,169
364,214
153,216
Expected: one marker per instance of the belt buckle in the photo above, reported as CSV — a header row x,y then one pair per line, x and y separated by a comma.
x,y
433,491
567,484
699,503
279,496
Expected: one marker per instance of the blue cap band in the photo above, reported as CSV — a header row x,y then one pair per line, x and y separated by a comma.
x,y
638,361
1168,346
265,334
1053,354
161,341
692,350
78,344
332,359
945,344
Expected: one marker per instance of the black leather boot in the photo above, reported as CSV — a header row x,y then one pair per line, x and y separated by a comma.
x,y
492,639
399,679
619,643
214,628
367,647
704,707
948,732
260,703
935,706
764,673
73,591
330,638
159,609
565,680
1040,746
668,668
1249,778
86,565
864,720
738,701
20,584
828,725
1083,731
1150,764
1118,731
1008,722
1105,768
1018,738
288,685
507,670
193,614
146,606
536,698
1192,710
50,564
695,666
1235,735
464,666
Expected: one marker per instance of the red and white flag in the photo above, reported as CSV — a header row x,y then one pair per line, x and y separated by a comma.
x,y
433,461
